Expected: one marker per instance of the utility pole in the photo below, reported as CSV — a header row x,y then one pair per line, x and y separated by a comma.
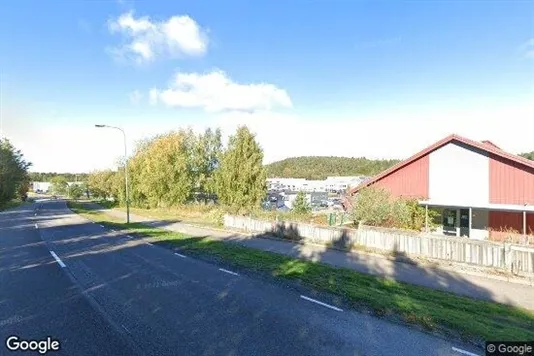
x,y
126,186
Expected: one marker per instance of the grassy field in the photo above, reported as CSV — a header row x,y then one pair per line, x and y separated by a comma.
x,y
434,310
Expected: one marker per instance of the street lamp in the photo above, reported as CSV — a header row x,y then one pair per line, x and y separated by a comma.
x,y
127,188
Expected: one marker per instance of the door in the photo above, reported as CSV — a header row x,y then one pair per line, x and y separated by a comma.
x,y
464,222
449,222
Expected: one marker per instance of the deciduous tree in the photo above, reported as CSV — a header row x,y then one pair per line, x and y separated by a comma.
x,y
14,181
241,177
300,205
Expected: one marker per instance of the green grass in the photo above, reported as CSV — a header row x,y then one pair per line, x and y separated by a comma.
x,y
11,204
434,310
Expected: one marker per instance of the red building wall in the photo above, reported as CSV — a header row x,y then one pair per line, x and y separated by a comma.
x,y
510,182
501,223
410,181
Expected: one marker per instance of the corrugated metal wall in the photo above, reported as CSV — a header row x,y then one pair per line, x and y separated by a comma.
x,y
500,221
510,182
409,181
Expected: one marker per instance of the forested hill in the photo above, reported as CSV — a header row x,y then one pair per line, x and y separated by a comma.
x,y
320,167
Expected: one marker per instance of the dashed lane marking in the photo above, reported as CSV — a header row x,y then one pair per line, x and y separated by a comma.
x,y
58,260
321,303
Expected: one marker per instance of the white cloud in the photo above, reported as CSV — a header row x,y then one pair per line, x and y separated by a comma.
x,y
528,48
215,91
135,97
146,39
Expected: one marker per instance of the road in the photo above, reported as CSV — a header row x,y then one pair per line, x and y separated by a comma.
x,y
107,294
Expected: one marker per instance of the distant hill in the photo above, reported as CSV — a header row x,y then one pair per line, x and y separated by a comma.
x,y
313,167
47,176
528,155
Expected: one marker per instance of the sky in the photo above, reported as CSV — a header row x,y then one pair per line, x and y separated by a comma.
x,y
380,79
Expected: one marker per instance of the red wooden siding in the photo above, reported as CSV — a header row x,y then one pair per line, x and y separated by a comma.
x,y
409,181
502,223
510,182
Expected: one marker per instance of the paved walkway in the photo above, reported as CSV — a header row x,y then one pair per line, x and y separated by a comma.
x,y
432,277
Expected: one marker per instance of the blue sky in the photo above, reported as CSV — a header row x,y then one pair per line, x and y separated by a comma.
x,y
331,69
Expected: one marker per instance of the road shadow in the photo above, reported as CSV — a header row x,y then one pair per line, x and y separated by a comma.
x,y
285,240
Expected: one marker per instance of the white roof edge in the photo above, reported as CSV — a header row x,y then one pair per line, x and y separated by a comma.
x,y
501,207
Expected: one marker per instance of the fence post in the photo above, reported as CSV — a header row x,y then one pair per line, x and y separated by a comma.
x,y
507,256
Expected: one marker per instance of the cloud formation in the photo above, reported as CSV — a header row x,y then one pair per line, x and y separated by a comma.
x,y
215,91
144,40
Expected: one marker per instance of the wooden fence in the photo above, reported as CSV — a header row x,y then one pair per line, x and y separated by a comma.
x,y
515,258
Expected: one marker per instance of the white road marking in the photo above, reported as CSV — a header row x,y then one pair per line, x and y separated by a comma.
x,y
464,352
320,303
227,271
179,254
58,260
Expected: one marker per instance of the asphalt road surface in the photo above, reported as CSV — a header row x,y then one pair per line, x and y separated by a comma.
x,y
99,292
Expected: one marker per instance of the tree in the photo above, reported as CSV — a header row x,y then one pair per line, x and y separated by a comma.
x,y
241,177
14,180
101,184
75,191
300,205
59,185
528,155
205,155
85,189
161,170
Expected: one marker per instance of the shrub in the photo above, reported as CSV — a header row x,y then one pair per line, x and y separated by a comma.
x,y
376,207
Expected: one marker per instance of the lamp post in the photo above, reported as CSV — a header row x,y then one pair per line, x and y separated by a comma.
x,y
127,188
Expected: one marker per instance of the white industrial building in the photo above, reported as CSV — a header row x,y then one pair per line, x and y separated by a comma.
x,y
330,184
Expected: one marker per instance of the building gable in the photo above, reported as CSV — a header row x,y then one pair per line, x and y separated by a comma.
x,y
459,174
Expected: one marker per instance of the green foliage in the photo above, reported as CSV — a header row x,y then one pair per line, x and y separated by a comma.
x,y
47,177
300,205
321,167
59,185
376,207
14,180
241,177
75,191
528,155
102,184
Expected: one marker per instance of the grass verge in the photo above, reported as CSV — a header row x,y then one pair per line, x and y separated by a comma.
x,y
10,204
434,310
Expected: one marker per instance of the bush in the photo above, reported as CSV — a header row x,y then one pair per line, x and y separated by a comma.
x,y
376,207
301,206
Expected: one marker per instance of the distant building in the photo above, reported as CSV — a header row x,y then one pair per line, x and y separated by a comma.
x,y
330,184
41,187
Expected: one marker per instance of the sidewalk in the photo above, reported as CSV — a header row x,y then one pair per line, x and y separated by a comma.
x,y
473,286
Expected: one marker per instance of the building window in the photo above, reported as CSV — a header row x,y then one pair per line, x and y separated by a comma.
x,y
449,218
